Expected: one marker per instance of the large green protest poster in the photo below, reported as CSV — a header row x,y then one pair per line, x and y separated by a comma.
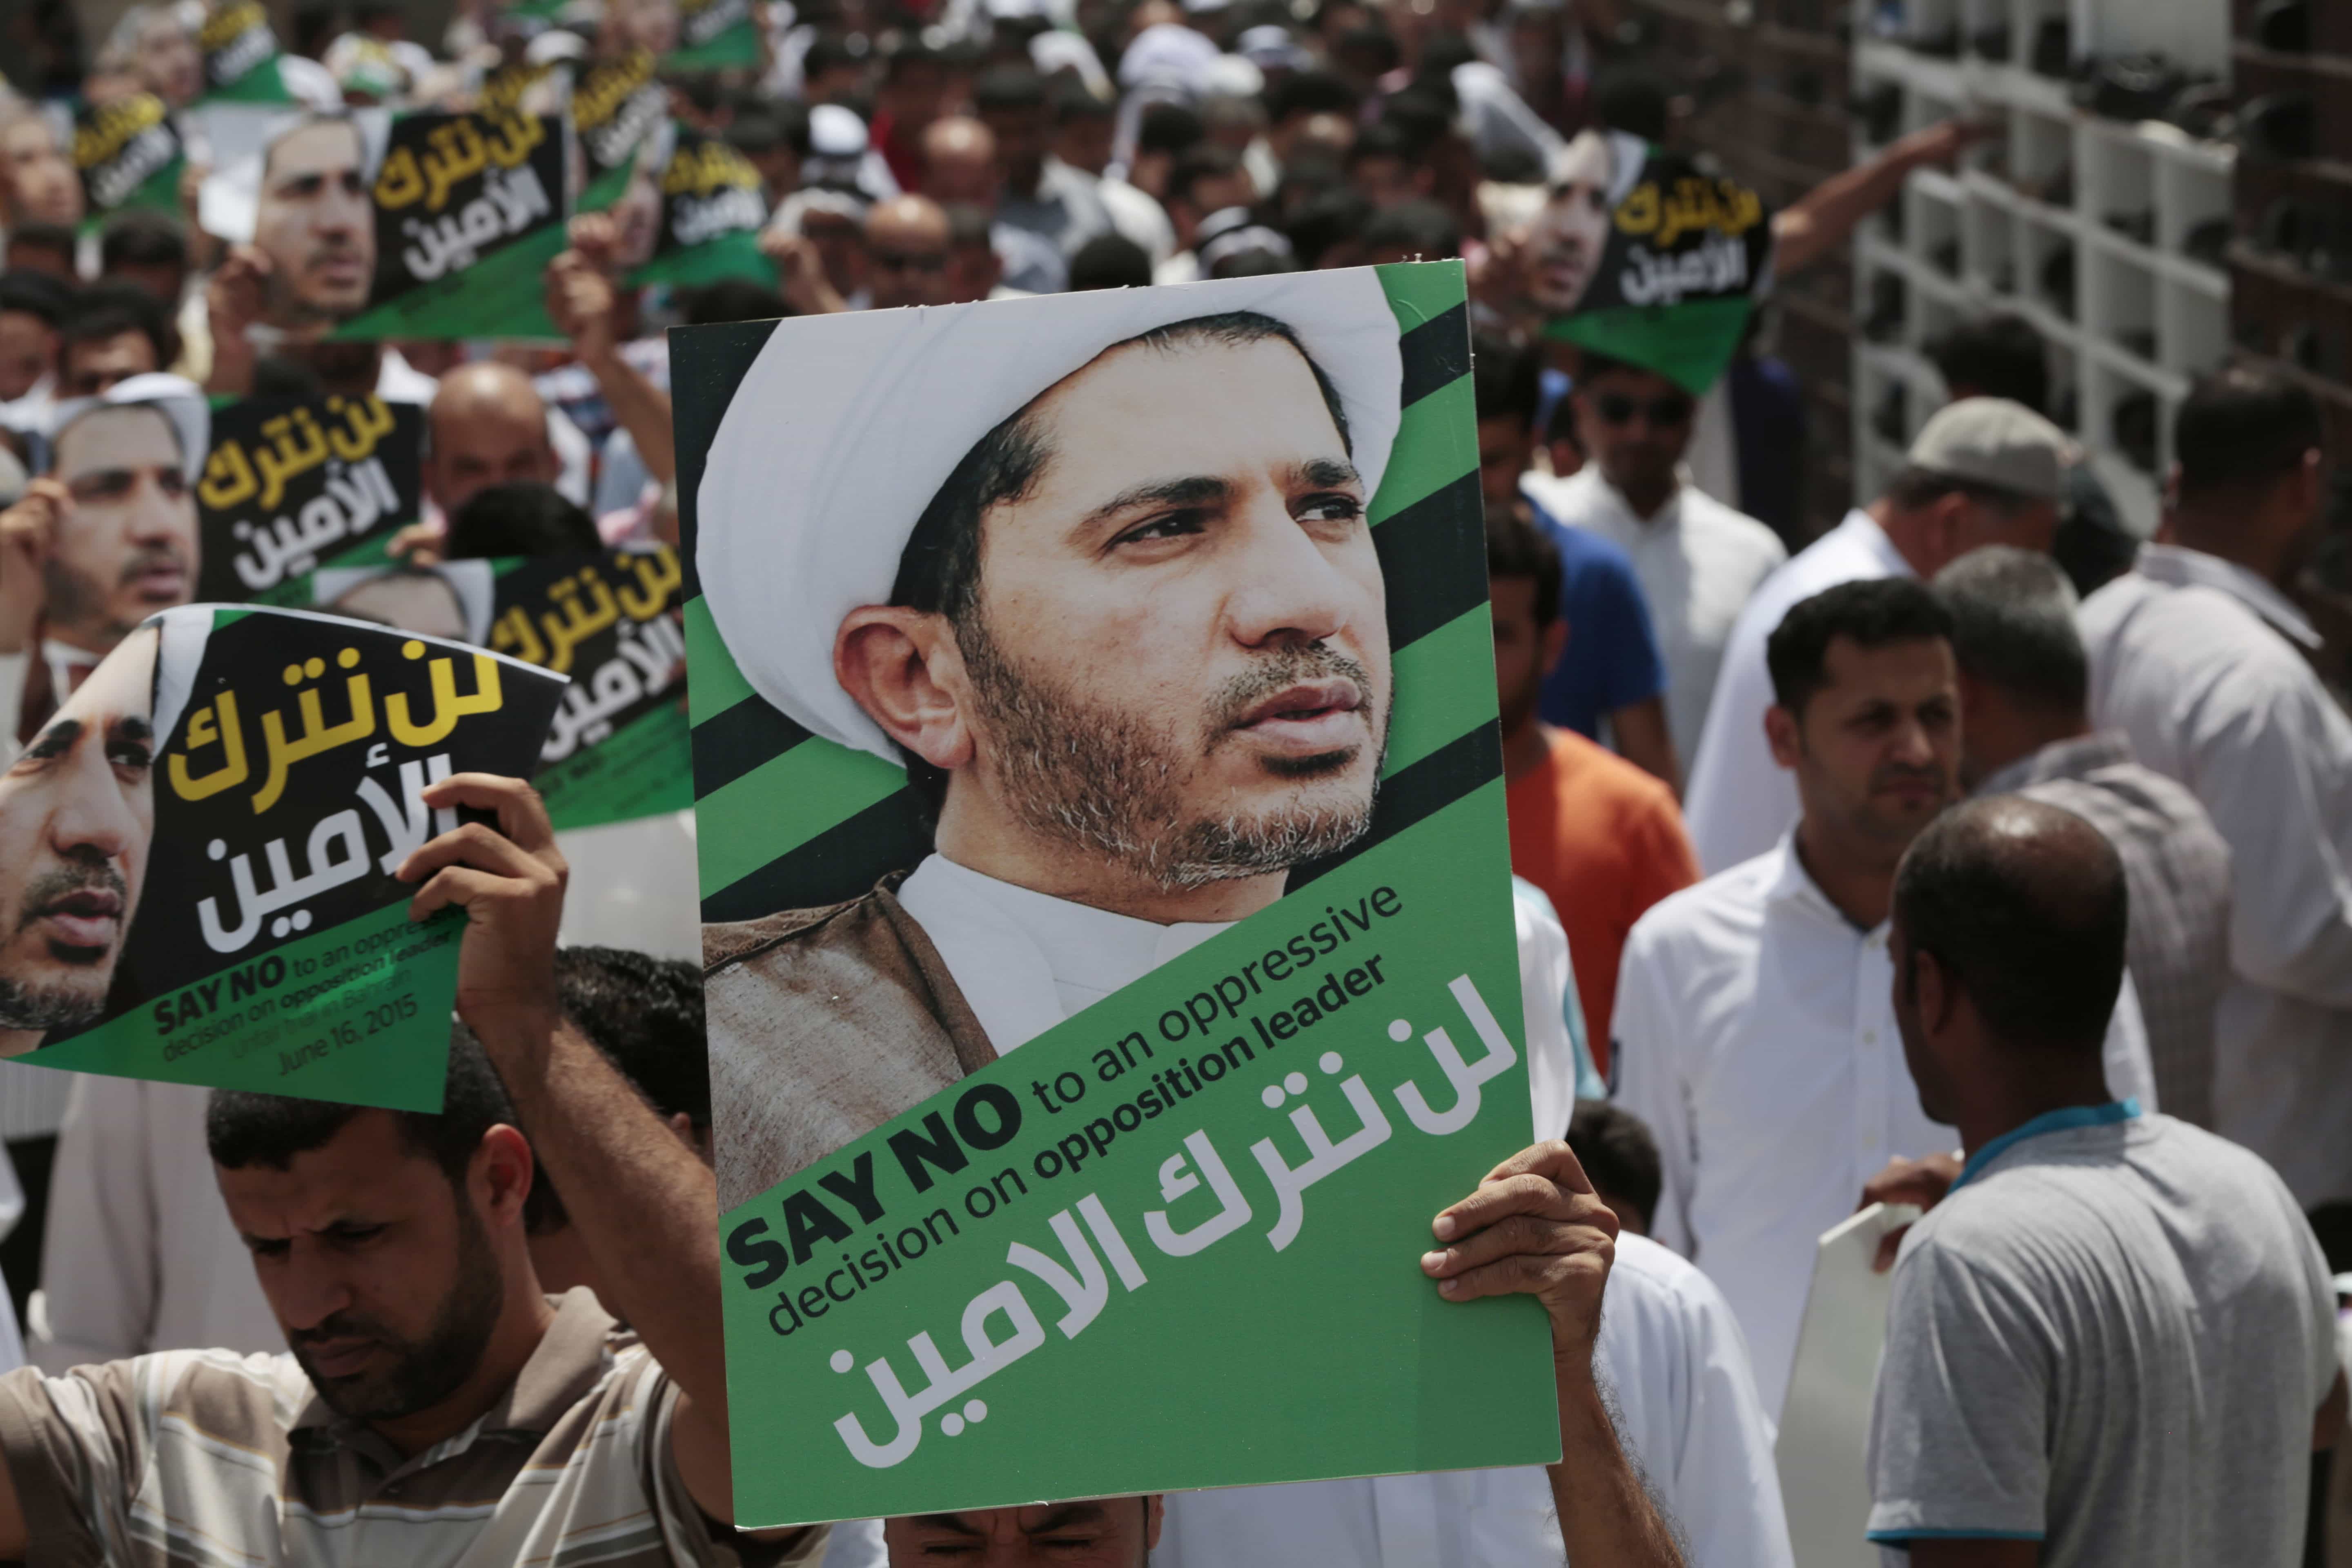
x,y
468,209
1110,965
129,154
1642,255
289,488
221,805
617,746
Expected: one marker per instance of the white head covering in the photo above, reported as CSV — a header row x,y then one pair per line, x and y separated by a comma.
x,y
473,584
846,425
176,397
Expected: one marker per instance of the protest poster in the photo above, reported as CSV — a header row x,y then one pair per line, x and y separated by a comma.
x,y
714,35
242,57
616,747
289,488
711,205
212,820
1109,938
129,154
467,210
1641,255
616,105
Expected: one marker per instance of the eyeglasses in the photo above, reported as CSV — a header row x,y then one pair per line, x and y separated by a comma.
x,y
1669,411
910,260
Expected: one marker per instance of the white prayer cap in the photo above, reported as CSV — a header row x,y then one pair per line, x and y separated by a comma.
x,y
846,425
1167,53
176,397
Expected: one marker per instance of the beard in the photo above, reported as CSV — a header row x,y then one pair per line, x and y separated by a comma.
x,y
79,601
1090,776
66,1004
429,1369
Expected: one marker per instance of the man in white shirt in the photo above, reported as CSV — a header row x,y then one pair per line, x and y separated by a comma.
x,y
1982,471
1698,560
1755,1030
1155,679
2201,657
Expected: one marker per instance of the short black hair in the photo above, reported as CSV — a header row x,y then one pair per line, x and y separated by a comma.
x,y
519,518
831,51
37,294
1634,101
1871,613
1384,139
1420,228
1913,488
1328,218
1109,261
1505,380
908,49
2013,627
1201,161
1420,115
1168,127
1619,1154
1013,87
1372,38
139,238
2000,355
1072,100
2244,426
112,307
1311,92
645,1014
2025,906
244,1129
732,299
1517,548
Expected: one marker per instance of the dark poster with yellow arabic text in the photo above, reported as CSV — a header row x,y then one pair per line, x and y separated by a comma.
x,y
291,488
237,787
468,210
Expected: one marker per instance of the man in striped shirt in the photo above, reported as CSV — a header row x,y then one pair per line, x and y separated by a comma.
x,y
436,1408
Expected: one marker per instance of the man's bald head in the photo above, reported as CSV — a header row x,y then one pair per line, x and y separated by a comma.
x,y
907,252
489,426
2025,908
960,161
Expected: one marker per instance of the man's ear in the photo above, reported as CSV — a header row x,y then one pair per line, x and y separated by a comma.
x,y
501,1173
1155,1512
1784,731
903,668
1932,989
1554,643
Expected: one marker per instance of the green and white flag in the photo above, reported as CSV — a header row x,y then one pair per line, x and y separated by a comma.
x,y
714,35
1106,887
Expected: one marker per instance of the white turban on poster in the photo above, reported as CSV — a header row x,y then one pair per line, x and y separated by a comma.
x,y
176,397
846,425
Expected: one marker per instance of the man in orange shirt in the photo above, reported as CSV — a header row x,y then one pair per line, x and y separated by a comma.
x,y
1602,838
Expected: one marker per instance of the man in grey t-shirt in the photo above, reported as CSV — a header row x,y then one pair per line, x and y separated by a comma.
x,y
2113,1341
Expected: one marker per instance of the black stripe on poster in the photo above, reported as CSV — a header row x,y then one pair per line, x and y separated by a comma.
x,y
833,868
1433,575
730,744
1435,352
1418,792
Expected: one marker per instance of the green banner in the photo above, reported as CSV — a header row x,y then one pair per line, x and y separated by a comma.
x,y
129,154
714,35
1171,1240
245,783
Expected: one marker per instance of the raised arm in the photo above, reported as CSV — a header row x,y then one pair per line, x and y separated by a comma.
x,y
646,1208
1825,216
1535,1229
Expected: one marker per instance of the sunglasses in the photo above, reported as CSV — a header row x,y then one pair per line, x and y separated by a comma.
x,y
1663,413
909,261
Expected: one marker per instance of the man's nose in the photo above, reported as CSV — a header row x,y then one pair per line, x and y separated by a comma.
x,y
157,515
1913,744
1286,588
92,821
308,1292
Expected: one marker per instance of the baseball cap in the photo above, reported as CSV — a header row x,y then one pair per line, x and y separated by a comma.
x,y
1994,442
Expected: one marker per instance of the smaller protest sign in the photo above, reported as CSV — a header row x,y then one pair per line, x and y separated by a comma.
x,y
241,55
290,487
129,154
468,209
714,35
713,205
616,105
617,748
221,806
1641,255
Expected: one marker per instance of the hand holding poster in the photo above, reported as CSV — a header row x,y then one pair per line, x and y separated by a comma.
x,y
1640,255
203,841
289,488
1105,879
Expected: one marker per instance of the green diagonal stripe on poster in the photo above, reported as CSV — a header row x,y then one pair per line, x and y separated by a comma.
x,y
1419,292
1432,449
1454,692
713,683
503,296
738,828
